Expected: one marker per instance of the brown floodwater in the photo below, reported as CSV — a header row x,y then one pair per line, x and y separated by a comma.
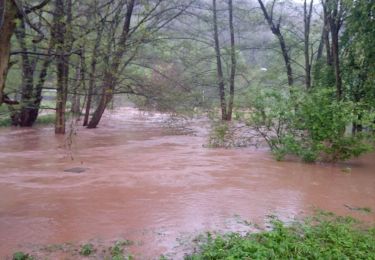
x,y
143,183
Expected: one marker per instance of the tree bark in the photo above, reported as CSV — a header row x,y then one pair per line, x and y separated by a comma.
x,y
75,99
219,68
61,67
307,20
335,15
326,34
233,62
8,16
22,117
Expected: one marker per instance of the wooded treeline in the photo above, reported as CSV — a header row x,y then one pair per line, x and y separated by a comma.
x,y
183,55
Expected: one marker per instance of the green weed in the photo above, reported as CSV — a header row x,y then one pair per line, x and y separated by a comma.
x,y
320,237
22,256
87,249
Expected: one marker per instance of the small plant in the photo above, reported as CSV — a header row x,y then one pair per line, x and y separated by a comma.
x,y
87,249
220,136
22,256
117,251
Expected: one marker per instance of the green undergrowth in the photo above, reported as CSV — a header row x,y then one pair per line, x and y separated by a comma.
x,y
42,120
48,119
324,236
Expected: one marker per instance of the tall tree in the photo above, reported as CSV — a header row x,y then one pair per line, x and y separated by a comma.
x,y
63,13
8,14
335,11
307,12
276,30
219,67
111,72
233,61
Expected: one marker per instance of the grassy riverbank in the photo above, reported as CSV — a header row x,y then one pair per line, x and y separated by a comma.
x,y
323,236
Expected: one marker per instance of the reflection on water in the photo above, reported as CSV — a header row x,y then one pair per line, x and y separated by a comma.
x,y
146,185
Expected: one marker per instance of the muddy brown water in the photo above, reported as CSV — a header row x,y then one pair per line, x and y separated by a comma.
x,y
160,190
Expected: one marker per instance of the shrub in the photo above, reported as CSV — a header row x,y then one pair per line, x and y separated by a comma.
x,y
22,256
220,135
87,249
310,126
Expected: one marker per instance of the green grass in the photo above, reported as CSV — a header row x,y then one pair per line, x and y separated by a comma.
x,y
41,120
322,237
46,119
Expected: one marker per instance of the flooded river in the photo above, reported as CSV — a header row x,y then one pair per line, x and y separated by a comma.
x,y
141,182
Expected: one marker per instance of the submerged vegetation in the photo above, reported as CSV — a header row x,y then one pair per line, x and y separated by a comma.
x,y
311,126
324,236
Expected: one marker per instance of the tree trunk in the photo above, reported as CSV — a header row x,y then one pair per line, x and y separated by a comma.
x,y
336,63
275,29
233,62
8,15
335,19
307,20
110,75
94,61
43,74
24,118
326,34
319,54
76,105
219,65
61,66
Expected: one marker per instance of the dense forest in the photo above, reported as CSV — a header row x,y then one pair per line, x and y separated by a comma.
x,y
299,73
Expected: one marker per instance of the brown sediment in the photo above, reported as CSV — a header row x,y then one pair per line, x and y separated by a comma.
x,y
142,184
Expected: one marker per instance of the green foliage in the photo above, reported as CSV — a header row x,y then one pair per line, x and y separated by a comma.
x,y
46,119
321,237
5,122
323,74
87,249
42,120
117,251
309,125
22,256
358,57
220,135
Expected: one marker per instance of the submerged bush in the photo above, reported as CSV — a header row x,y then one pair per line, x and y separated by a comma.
x,y
323,237
220,135
311,126
22,256
87,249
225,134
